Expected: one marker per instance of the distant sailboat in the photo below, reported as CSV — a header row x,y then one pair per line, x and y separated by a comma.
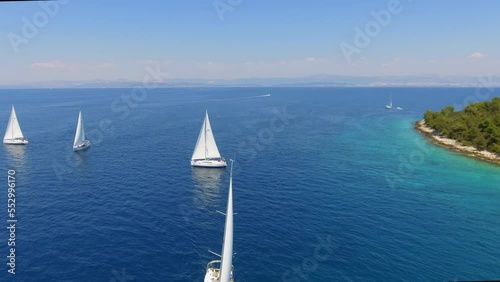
x,y
222,270
205,152
13,134
80,142
390,104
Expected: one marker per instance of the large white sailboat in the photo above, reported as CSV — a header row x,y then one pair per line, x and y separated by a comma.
x,y
222,270
13,134
206,153
80,142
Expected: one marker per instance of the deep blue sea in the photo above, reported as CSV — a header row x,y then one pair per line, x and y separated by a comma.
x,y
328,186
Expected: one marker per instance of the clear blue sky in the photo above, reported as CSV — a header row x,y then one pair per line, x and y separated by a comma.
x,y
92,39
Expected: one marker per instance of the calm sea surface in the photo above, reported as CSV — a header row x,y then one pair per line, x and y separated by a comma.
x,y
328,186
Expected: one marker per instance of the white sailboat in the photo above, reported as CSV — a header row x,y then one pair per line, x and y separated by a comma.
x,y
13,134
390,104
222,270
206,153
80,142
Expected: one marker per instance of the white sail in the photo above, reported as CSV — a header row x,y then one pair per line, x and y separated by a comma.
x,y
13,129
206,148
227,248
80,131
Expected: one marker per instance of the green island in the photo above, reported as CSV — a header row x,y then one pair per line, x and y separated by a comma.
x,y
474,131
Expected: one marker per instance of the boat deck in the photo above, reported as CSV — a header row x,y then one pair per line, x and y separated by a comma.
x,y
213,272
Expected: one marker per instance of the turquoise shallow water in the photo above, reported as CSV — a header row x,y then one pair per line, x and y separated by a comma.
x,y
328,186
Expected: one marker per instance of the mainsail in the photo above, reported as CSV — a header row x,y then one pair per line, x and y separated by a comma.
x,y
80,132
206,148
13,129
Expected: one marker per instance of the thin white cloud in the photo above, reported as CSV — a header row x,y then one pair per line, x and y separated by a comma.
x,y
59,65
54,65
149,62
476,55
103,66
393,62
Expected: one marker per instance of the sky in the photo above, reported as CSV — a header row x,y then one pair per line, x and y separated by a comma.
x,y
228,39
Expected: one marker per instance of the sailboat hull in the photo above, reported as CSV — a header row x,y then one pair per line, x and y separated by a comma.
x,y
83,146
209,163
15,141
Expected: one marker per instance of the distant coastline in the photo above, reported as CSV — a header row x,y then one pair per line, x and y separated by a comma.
x,y
320,80
455,146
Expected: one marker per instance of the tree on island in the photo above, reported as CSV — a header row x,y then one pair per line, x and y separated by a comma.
x,y
477,125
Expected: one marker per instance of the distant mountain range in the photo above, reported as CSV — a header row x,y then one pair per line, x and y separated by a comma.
x,y
307,81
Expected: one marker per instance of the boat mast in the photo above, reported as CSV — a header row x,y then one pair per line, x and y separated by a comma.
x,y
227,247
205,125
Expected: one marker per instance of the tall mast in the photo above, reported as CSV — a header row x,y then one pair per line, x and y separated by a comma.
x,y
205,125
227,248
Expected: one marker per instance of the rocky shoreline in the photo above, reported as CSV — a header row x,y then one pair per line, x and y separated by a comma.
x,y
454,145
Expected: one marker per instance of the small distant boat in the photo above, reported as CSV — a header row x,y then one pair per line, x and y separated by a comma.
x,y
389,107
222,270
13,134
206,153
267,95
399,108
80,142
